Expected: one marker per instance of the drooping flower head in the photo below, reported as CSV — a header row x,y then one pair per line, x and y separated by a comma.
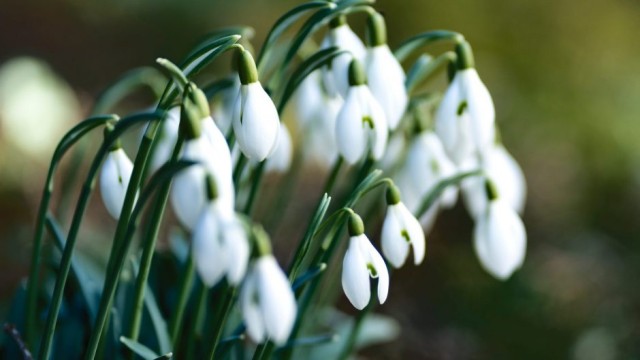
x,y
267,300
361,263
466,116
335,77
220,243
400,232
500,239
385,74
114,179
361,126
255,121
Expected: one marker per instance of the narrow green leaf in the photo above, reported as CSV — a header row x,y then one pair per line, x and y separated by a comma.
x,y
311,340
139,349
215,87
426,66
165,356
320,58
308,276
132,80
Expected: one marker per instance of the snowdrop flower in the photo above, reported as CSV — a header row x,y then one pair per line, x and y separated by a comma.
x,y
335,77
114,180
361,126
465,118
168,137
220,243
499,166
204,144
280,160
499,237
224,102
255,121
267,300
362,262
400,231
385,74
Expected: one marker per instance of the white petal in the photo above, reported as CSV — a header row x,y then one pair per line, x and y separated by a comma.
x,y
355,275
208,254
416,234
386,80
381,129
480,109
394,246
277,302
344,38
307,102
168,137
256,122
237,249
500,240
382,273
509,178
350,136
223,104
280,160
114,180
250,309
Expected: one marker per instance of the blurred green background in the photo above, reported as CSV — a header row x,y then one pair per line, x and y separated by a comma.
x,y
565,81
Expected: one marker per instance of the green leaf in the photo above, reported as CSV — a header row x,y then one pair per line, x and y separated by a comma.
x,y
312,340
283,23
139,349
215,87
125,85
412,44
435,193
308,276
320,58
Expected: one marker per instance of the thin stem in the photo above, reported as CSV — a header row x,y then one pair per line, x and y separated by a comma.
x,y
229,295
255,186
186,284
198,320
357,326
335,170
412,44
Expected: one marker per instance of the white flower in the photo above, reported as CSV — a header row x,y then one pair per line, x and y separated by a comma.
x,y
335,77
500,239
361,126
255,122
188,192
386,81
267,301
465,118
280,160
399,231
168,137
362,261
220,246
499,166
114,180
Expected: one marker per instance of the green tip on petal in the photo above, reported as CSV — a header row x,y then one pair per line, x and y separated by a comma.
x,y
246,67
465,56
356,226
195,107
211,188
393,194
376,30
492,191
357,75
262,241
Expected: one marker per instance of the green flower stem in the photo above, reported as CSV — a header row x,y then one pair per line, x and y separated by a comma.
x,y
412,44
119,247
126,84
83,200
186,285
148,249
238,170
198,320
423,70
228,296
65,144
255,187
432,196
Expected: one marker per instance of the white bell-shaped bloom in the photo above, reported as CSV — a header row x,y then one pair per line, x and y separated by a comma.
x,y
255,122
307,101
280,160
223,104
336,76
268,303
362,262
168,138
220,246
188,192
320,146
386,81
465,118
114,180
361,126
499,166
400,231
500,239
